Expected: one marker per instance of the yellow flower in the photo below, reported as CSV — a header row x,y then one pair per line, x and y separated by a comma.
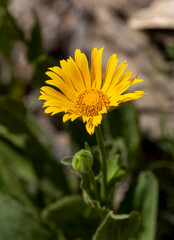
x,y
85,94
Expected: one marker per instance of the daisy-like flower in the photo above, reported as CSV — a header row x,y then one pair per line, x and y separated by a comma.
x,y
84,93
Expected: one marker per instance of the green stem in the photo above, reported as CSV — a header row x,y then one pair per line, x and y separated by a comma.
x,y
93,182
106,128
100,142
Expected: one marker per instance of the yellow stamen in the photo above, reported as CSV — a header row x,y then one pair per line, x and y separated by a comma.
x,y
91,101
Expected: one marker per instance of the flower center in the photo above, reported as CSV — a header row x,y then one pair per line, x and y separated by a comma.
x,y
90,102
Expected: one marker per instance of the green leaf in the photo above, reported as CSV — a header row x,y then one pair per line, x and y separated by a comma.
x,y
4,3
35,45
87,147
9,31
169,51
65,211
118,146
19,140
118,227
44,163
67,161
18,223
114,171
14,121
10,183
146,201
89,196
167,146
17,162
70,214
124,122
13,30
40,66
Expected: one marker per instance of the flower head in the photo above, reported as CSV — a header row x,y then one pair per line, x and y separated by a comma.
x,y
84,93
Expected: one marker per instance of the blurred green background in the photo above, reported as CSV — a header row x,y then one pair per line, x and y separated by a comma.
x,y
35,35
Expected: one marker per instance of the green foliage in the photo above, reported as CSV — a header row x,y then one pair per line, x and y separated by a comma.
x,y
9,31
65,212
40,66
115,173
79,134
4,3
167,145
123,122
120,227
35,48
67,161
71,215
146,201
168,51
19,223
7,106
14,168
24,149
90,193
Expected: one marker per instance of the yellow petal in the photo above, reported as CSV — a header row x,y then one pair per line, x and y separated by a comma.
x,y
96,67
62,74
49,93
53,110
92,123
71,116
125,86
117,75
90,127
130,96
82,64
72,71
85,118
110,69
122,87
119,83
104,110
97,120
58,82
55,103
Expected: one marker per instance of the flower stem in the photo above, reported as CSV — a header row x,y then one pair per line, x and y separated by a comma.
x,y
93,182
100,141
106,128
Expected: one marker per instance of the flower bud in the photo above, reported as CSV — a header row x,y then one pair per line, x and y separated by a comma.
x,y
82,161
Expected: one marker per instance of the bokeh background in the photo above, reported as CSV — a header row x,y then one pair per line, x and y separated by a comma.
x,y
35,35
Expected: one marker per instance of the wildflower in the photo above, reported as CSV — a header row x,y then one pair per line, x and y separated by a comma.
x,y
84,93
